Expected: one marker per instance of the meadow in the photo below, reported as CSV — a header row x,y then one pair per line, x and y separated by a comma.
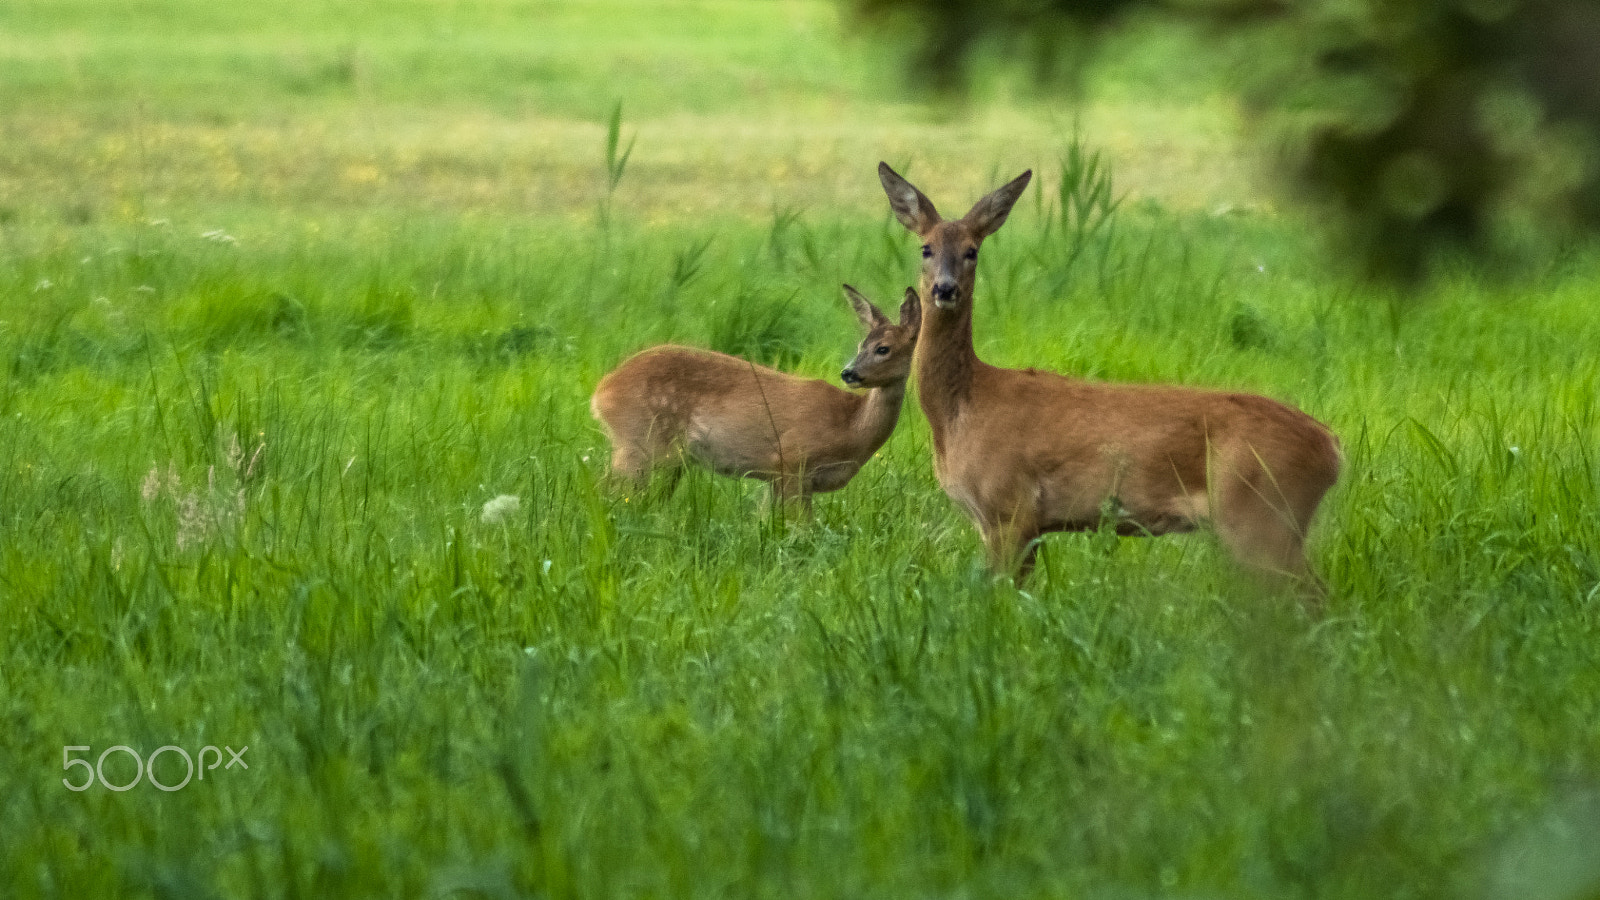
x,y
289,292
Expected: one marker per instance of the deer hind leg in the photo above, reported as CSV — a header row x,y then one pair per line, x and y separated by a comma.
x,y
1265,529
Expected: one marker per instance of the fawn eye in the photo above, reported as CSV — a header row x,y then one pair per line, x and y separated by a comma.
x,y
972,253
882,350
927,251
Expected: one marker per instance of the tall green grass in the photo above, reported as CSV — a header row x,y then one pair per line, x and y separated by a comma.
x,y
243,506
247,440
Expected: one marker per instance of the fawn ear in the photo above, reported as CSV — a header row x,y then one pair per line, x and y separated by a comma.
x,y
911,310
988,214
870,316
914,210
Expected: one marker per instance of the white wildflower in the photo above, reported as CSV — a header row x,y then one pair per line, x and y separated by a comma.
x,y
150,487
157,482
200,513
44,284
194,520
501,508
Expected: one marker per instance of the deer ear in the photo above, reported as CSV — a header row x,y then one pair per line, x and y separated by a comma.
x,y
914,210
911,310
869,315
988,214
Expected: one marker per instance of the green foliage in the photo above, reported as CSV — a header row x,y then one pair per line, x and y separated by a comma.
x,y
1427,127
254,451
265,535
616,162
759,326
1085,193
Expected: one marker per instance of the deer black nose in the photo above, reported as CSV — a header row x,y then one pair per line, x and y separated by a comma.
x,y
849,376
944,290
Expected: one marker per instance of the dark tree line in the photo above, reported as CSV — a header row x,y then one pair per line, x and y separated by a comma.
x,y
1427,125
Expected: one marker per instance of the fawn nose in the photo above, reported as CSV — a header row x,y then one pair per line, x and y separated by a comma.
x,y
849,376
944,293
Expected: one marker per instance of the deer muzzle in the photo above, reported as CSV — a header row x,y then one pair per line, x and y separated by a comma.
x,y
945,294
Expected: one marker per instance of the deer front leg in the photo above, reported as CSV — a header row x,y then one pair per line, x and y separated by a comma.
x,y
630,467
1011,546
790,492
649,477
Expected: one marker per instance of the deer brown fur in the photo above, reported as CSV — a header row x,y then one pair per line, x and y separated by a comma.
x,y
1027,452
804,436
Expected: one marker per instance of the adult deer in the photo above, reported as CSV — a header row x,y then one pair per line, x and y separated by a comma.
x,y
803,436
1027,452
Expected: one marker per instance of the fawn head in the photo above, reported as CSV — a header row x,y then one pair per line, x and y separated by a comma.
x,y
949,249
884,356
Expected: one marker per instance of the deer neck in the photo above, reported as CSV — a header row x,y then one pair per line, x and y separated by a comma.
x,y
879,412
944,366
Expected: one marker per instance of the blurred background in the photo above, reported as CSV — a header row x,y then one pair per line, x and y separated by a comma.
x,y
731,108
1411,128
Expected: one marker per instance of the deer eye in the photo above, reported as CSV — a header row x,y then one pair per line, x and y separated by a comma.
x,y
972,253
881,350
927,251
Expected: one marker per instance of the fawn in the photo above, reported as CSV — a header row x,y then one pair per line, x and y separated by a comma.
x,y
1026,452
803,436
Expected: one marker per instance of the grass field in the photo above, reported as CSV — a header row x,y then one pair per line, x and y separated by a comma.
x,y
290,291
